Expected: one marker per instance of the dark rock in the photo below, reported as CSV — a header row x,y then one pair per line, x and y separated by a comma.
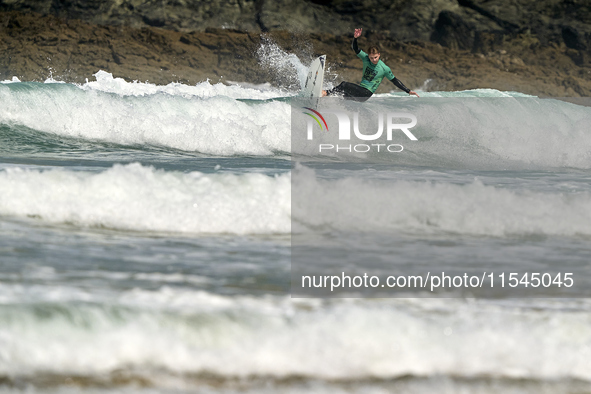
x,y
509,26
572,38
550,21
155,22
453,32
185,40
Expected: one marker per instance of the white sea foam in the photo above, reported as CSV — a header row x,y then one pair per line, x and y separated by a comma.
x,y
275,336
105,82
133,197
212,123
357,204
13,80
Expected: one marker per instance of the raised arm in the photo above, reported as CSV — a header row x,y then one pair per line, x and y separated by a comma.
x,y
356,35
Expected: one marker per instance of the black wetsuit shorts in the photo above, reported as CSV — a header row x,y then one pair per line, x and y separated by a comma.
x,y
350,91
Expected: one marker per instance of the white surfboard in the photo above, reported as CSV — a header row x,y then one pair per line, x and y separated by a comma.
x,y
315,78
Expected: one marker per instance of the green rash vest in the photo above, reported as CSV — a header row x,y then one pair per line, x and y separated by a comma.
x,y
373,74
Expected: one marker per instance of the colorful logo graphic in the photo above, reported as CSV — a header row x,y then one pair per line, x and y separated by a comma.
x,y
315,118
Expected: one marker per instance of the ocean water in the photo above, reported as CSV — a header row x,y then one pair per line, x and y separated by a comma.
x,y
145,245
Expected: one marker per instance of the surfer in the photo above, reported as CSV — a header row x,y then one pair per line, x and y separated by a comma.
x,y
374,70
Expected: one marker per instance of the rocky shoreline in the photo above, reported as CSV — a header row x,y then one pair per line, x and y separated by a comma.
x,y
454,56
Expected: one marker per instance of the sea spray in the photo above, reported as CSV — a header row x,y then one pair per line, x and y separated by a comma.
x,y
286,69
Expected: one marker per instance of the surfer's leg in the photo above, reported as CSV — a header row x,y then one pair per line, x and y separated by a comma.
x,y
351,91
337,90
356,92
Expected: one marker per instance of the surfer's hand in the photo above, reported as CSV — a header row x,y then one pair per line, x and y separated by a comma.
x,y
357,33
413,93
